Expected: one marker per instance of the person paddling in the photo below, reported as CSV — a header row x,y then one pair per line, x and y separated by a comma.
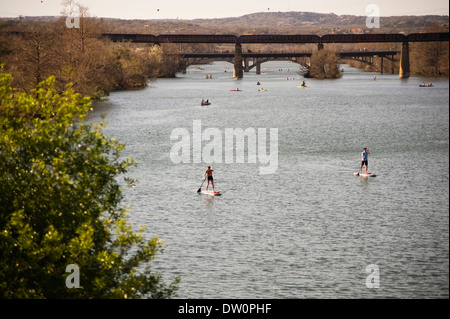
x,y
208,172
364,159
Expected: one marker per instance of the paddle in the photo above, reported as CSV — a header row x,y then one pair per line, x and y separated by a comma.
x,y
200,189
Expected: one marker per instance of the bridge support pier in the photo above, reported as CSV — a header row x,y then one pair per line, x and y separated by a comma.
x,y
238,72
404,71
258,67
381,65
246,67
392,64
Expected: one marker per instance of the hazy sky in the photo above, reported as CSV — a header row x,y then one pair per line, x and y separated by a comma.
x,y
191,9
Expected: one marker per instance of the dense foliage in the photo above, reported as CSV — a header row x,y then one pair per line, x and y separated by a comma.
x,y
94,65
60,203
324,64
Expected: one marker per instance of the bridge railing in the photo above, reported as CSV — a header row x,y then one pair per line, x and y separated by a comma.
x,y
196,38
428,37
362,38
278,38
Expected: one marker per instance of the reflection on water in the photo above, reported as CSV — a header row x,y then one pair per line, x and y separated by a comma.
x,y
209,202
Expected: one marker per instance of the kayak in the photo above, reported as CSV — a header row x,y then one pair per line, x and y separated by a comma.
x,y
204,103
303,86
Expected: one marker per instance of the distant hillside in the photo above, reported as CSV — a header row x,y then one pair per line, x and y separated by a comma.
x,y
299,22
269,22
299,19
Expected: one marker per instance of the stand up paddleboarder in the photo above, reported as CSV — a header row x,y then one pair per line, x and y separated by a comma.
x,y
208,173
364,159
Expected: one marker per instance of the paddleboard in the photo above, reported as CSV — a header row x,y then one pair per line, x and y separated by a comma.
x,y
303,87
365,174
211,193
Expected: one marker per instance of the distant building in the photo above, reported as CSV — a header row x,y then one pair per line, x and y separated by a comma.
x,y
357,31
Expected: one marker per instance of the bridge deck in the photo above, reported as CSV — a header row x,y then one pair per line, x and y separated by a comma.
x,y
285,54
279,38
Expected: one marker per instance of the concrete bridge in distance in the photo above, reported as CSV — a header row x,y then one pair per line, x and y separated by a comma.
x,y
257,58
404,70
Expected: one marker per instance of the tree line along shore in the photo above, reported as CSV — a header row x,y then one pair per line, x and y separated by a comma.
x,y
94,65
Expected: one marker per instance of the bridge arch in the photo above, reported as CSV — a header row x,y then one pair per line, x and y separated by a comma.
x,y
257,63
359,59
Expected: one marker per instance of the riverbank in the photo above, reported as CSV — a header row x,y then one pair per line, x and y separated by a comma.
x,y
93,65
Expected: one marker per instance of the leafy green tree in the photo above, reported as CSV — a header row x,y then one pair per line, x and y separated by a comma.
x,y
59,203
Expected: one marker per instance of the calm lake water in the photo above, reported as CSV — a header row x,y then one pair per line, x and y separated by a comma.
x,y
310,229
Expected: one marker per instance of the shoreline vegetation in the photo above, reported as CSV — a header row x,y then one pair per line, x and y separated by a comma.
x,y
34,49
95,66
324,64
